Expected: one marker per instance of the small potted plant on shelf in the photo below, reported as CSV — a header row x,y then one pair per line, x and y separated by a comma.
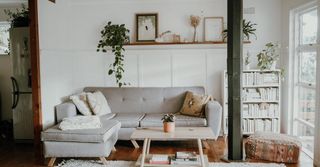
x,y
168,123
248,30
268,57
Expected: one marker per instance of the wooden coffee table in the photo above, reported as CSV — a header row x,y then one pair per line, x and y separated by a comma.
x,y
181,133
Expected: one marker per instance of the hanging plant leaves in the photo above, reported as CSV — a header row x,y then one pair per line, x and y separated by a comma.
x,y
248,30
114,36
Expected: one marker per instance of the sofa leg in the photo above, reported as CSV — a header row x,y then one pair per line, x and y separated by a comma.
x,y
104,161
135,144
51,161
114,149
225,138
205,144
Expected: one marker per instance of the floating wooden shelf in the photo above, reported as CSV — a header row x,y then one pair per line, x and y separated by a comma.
x,y
177,43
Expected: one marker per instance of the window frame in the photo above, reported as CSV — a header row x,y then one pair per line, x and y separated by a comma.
x,y
297,84
6,23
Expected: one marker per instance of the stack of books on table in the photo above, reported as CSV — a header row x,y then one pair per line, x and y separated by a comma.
x,y
185,158
159,159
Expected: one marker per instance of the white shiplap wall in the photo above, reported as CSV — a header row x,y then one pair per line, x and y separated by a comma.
x,y
144,68
69,31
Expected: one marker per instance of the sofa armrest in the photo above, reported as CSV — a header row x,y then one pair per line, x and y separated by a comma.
x,y
65,110
213,112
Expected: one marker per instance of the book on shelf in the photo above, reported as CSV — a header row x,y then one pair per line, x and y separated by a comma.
x,y
252,125
261,94
256,78
261,110
159,159
185,158
177,161
186,155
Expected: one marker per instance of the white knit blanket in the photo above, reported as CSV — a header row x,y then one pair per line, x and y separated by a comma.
x,y
80,122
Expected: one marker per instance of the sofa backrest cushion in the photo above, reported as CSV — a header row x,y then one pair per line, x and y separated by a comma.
x,y
145,100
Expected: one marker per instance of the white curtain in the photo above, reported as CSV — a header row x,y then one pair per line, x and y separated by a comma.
x,y
317,122
316,157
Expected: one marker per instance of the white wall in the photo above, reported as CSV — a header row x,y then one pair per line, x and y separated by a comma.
x,y
69,31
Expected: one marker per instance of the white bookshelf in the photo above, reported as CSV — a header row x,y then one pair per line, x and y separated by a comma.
x,y
260,101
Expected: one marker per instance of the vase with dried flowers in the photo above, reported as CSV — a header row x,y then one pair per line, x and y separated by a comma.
x,y
194,21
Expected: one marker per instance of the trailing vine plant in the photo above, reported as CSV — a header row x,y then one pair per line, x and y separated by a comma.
x,y
114,36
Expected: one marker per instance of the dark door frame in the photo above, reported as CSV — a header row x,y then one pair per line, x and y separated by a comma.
x,y
35,72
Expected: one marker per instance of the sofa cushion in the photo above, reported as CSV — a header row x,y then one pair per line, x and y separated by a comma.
x,y
81,102
107,117
98,103
83,136
145,100
129,120
194,104
154,120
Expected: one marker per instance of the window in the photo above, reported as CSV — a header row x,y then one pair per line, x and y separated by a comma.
x,y
305,76
4,38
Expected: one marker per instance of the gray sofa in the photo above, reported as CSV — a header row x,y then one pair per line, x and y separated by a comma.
x,y
144,107
132,108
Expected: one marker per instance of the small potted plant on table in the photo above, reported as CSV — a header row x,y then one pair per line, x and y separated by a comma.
x,y
168,123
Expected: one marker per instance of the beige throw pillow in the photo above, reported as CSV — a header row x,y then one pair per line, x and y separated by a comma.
x,y
194,104
80,101
98,103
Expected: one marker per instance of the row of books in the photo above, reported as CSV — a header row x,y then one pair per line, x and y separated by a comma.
x,y
261,110
261,94
255,78
180,158
253,125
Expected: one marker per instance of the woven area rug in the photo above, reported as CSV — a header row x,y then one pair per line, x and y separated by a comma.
x,y
88,163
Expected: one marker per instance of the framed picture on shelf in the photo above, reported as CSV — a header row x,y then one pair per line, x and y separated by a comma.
x,y
4,38
213,27
146,27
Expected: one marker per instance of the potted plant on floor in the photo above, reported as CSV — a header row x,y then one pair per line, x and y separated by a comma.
x,y
268,57
114,36
168,123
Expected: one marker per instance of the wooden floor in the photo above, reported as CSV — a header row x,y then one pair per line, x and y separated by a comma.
x,y
21,155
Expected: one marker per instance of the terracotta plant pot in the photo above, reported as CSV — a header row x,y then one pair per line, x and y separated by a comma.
x,y
168,127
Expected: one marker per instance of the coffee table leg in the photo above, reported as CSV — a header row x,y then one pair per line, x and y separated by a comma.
x,y
201,153
148,146
144,152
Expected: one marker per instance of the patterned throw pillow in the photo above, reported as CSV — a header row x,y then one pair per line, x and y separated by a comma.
x,y
98,103
80,101
194,104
